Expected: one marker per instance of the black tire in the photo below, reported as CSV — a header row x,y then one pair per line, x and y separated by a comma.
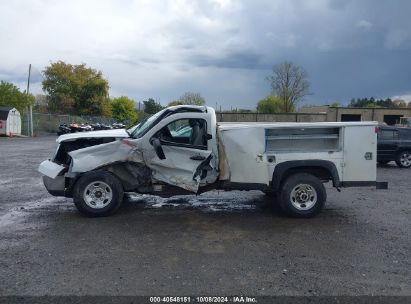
x,y
101,188
305,187
271,194
403,159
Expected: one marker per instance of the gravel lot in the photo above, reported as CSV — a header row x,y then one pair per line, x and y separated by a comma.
x,y
214,244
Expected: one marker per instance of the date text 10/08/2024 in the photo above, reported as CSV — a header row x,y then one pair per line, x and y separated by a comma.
x,y
207,299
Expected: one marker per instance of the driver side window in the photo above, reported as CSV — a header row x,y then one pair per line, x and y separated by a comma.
x,y
185,132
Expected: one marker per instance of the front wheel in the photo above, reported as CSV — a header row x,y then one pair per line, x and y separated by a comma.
x,y
302,195
98,193
403,159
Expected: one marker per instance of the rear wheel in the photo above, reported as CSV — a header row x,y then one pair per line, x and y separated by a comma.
x,y
98,193
271,194
403,159
302,195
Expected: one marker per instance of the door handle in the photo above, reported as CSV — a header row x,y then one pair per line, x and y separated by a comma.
x,y
197,157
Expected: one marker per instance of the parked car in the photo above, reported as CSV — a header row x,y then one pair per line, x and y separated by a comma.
x,y
394,144
183,150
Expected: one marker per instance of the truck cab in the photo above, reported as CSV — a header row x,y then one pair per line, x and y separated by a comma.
x,y
183,150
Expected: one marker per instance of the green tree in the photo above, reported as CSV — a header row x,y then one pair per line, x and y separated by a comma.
x,y
174,103
190,98
141,115
386,103
366,102
122,109
10,96
289,82
41,104
151,106
335,104
361,102
76,89
271,104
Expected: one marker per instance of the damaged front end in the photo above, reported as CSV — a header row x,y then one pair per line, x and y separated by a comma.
x,y
133,161
60,172
53,179
123,157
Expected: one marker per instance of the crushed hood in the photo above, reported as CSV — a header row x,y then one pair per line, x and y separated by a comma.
x,y
118,133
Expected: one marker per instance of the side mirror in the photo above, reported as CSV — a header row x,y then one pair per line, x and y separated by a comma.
x,y
158,148
209,136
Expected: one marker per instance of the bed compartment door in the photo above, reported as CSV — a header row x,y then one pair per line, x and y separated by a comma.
x,y
359,143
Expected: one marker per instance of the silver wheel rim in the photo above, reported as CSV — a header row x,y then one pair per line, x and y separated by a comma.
x,y
303,197
405,159
97,195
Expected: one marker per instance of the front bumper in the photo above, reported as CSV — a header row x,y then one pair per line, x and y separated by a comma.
x,y
53,181
55,186
50,169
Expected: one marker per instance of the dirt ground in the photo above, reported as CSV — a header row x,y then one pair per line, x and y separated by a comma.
x,y
214,244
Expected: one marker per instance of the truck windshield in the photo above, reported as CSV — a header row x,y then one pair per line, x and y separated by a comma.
x,y
139,130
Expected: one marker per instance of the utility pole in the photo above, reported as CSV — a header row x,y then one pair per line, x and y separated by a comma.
x,y
29,108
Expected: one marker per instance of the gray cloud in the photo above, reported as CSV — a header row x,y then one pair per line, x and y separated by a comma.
x,y
221,48
11,76
230,60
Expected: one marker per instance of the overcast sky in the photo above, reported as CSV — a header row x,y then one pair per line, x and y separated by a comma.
x,y
220,48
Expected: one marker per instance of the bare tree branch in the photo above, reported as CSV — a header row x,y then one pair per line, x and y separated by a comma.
x,y
290,83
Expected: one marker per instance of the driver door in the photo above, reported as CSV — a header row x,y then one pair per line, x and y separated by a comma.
x,y
187,156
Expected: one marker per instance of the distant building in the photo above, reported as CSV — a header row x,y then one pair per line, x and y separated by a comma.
x,y
314,109
390,116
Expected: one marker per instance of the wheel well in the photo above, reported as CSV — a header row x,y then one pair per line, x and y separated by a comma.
x,y
71,182
323,170
130,175
400,150
320,172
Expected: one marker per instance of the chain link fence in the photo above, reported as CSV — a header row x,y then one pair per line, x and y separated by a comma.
x,y
44,124
49,123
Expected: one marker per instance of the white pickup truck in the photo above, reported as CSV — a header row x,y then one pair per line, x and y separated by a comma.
x,y
183,150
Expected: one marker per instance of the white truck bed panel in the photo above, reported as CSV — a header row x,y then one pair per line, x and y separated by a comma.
x,y
270,125
356,144
244,149
253,150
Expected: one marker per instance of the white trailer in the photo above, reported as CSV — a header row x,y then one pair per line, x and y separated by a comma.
x,y
10,121
182,150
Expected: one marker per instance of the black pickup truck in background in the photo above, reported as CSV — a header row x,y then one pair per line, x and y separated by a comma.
x,y
394,144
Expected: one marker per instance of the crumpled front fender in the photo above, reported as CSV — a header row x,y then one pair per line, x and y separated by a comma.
x,y
90,158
